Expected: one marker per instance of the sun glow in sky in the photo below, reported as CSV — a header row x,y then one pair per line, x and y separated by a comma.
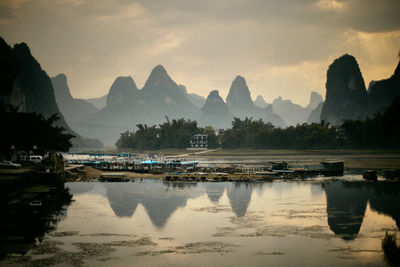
x,y
282,48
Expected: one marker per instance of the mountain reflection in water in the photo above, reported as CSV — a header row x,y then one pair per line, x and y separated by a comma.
x,y
346,202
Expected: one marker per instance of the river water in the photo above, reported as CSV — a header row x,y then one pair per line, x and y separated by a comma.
x,y
151,223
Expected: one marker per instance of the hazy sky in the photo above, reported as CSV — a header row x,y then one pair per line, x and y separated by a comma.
x,y
281,47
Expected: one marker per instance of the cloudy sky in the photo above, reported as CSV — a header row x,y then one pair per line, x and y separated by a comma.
x,y
281,47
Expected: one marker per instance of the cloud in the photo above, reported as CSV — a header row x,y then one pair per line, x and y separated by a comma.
x,y
165,43
330,5
133,10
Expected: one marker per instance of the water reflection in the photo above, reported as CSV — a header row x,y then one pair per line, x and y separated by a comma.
x,y
347,202
122,202
239,195
27,215
214,191
81,188
159,200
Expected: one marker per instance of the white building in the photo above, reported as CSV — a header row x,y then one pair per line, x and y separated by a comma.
x,y
199,142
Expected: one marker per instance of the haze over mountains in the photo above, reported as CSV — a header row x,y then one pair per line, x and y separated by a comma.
x,y
294,114
127,105
98,102
26,86
73,109
161,97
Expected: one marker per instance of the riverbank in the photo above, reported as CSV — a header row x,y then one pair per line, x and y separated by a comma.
x,y
354,160
89,173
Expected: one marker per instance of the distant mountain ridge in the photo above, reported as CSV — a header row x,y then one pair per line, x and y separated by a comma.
x,y
24,84
161,97
216,112
197,100
241,105
98,102
291,113
238,98
315,115
122,92
73,109
260,102
315,100
128,106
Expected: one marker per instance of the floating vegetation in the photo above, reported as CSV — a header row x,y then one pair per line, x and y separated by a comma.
x,y
194,248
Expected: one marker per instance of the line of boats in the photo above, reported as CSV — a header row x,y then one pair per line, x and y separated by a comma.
x,y
174,169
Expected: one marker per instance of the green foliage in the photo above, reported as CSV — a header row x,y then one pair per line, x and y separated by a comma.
x,y
260,135
212,137
382,131
170,134
24,130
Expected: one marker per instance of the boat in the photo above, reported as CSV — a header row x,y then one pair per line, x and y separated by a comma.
x,y
370,175
113,177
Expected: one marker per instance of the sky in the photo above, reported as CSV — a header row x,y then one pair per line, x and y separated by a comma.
x,y
281,47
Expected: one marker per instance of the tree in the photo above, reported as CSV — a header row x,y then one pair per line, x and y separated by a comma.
x,y
25,130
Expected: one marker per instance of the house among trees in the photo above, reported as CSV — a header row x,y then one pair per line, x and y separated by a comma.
x,y
199,142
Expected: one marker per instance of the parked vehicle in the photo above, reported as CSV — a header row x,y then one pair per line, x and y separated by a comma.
x,y
9,165
35,159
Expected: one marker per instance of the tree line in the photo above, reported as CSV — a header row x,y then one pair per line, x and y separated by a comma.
x,y
381,131
174,133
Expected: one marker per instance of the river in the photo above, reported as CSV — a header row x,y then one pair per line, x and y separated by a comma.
x,y
281,223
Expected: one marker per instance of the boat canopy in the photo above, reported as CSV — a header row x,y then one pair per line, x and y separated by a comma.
x,y
150,162
190,162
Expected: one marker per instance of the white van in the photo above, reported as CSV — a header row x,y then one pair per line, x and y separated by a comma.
x,y
35,158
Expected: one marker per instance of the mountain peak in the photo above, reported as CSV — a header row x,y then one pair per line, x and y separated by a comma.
x,y
158,75
61,89
3,43
260,98
124,82
215,112
183,88
239,93
214,97
315,99
62,77
260,102
346,95
122,90
159,68
22,48
239,79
